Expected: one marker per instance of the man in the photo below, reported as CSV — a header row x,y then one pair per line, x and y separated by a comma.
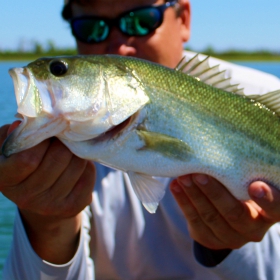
x,y
205,233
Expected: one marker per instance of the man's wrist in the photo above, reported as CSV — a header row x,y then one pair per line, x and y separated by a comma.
x,y
54,240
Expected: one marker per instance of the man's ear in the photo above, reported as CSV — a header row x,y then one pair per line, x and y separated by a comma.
x,y
185,15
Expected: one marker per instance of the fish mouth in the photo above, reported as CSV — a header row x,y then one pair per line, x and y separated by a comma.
x,y
28,102
29,133
20,78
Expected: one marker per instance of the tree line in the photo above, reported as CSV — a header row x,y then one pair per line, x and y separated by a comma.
x,y
34,49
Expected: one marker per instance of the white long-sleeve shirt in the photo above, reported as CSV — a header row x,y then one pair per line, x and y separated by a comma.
x,y
121,240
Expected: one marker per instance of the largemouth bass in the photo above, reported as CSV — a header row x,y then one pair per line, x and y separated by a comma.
x,y
148,120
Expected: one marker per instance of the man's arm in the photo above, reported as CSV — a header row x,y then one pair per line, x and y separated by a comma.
x,y
23,263
50,186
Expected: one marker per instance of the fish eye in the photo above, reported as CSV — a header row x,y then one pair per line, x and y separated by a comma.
x,y
58,68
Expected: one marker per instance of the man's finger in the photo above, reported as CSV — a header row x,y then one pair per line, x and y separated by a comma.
x,y
19,166
267,198
3,133
13,126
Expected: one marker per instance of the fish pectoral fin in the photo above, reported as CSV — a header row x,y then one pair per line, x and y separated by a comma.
x,y
164,144
148,190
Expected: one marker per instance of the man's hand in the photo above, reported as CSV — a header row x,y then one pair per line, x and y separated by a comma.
x,y
50,186
217,220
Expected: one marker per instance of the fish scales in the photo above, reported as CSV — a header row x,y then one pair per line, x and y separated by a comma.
x,y
241,114
148,120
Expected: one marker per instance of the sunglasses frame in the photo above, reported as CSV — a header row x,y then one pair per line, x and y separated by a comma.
x,y
111,22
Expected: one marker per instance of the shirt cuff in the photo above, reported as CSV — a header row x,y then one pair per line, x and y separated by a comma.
x,y
19,266
208,257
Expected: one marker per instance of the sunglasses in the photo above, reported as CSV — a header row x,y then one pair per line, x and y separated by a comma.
x,y
137,22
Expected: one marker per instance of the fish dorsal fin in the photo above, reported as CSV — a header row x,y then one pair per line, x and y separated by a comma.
x,y
270,100
213,76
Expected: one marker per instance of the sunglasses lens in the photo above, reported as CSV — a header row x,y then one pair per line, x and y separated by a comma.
x,y
141,22
90,30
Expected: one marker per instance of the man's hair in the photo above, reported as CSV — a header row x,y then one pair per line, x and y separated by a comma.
x,y
67,11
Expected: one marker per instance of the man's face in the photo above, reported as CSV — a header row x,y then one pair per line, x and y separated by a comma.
x,y
163,46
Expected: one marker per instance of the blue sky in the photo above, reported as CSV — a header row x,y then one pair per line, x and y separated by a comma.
x,y
239,24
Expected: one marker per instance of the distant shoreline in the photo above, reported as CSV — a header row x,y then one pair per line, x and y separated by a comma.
x,y
249,58
227,55
30,56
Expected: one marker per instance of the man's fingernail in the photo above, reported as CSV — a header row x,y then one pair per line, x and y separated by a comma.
x,y
201,179
258,192
176,188
185,181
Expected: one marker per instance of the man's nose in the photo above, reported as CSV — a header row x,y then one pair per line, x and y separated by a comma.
x,y
119,43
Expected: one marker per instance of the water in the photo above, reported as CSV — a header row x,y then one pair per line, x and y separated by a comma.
x,y
269,67
7,112
7,101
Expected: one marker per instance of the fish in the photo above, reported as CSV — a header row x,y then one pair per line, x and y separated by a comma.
x,y
149,120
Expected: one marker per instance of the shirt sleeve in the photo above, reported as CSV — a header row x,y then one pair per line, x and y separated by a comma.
x,y
255,260
24,263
